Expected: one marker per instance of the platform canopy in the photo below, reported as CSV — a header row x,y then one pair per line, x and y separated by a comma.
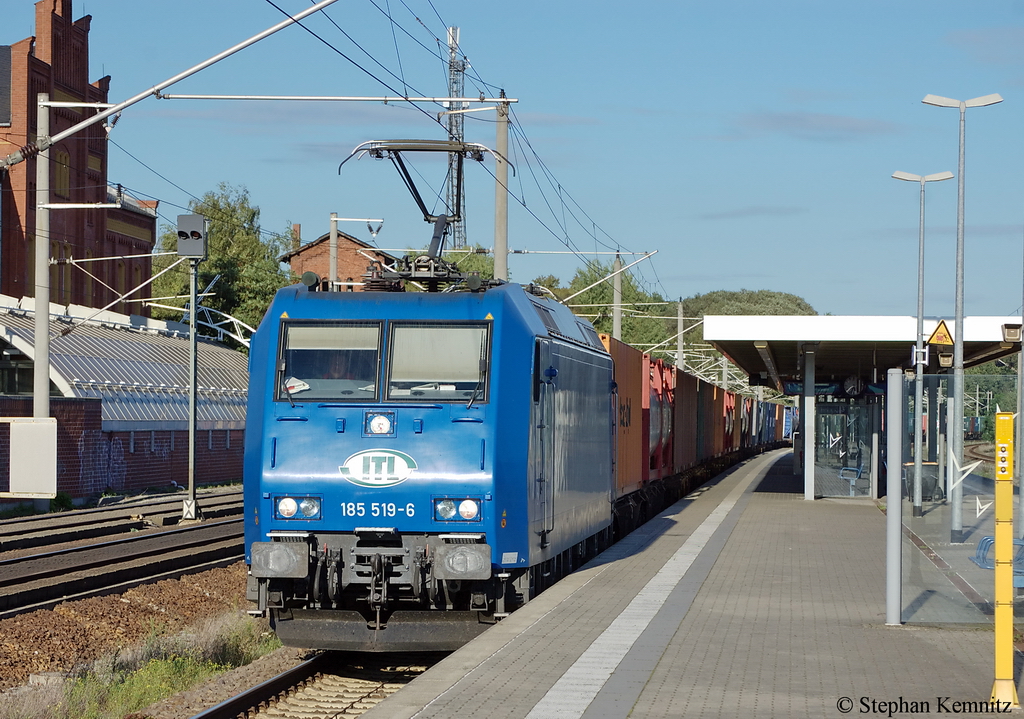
x,y
769,347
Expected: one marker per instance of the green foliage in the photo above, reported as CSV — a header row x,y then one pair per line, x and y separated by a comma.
x,y
642,325
550,282
473,261
747,302
646,323
96,696
61,503
990,386
131,680
743,302
245,258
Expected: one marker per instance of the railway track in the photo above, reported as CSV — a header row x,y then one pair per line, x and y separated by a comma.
x,y
331,684
41,581
979,451
86,524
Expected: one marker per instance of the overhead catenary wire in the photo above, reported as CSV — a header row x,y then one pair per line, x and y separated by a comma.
x,y
353,62
517,129
551,189
134,192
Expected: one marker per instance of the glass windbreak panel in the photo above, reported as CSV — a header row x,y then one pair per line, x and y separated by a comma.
x,y
438,363
949,505
845,444
337,361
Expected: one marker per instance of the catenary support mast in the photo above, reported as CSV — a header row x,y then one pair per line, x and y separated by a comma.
x,y
456,192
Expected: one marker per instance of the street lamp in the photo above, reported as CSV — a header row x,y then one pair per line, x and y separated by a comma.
x,y
956,491
919,360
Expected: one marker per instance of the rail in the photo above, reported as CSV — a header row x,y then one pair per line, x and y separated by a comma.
x,y
44,580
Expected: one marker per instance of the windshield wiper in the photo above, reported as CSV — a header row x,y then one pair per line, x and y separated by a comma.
x,y
284,386
479,383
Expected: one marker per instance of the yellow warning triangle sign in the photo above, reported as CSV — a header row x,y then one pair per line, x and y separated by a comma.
x,y
941,335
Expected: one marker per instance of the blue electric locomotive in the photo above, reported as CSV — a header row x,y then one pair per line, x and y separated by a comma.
x,y
416,463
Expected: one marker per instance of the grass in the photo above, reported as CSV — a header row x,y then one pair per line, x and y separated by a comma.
x,y
119,692
126,683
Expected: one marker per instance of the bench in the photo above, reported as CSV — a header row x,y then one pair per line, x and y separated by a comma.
x,y
982,559
851,475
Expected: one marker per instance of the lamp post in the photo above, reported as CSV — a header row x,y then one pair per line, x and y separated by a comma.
x,y
919,361
956,492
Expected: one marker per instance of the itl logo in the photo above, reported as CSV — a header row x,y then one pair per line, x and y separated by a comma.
x,y
378,468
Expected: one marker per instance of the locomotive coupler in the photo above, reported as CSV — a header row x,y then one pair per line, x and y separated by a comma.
x,y
334,574
379,566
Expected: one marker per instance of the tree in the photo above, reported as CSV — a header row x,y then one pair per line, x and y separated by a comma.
x,y
242,255
550,282
475,260
987,387
742,302
642,325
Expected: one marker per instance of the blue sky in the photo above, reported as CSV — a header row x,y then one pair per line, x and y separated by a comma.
x,y
751,143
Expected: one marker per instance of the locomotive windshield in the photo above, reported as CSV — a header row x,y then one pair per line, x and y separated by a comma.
x,y
336,361
438,362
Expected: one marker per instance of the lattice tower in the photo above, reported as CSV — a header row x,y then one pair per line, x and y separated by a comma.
x,y
456,83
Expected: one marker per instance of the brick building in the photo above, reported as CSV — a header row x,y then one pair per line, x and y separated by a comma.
x,y
354,256
56,61
119,384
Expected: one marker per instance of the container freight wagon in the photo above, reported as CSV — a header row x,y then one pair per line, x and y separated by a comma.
x,y
659,379
630,435
686,438
707,424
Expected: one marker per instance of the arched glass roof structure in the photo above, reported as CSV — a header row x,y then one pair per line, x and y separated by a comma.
x,y
137,366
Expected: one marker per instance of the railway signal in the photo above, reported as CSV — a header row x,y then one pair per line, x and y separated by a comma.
x,y
193,231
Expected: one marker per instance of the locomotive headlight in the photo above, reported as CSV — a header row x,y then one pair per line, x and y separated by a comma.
x,y
297,507
444,509
310,507
287,507
457,510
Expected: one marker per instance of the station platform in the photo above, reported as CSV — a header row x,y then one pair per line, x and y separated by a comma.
x,y
740,600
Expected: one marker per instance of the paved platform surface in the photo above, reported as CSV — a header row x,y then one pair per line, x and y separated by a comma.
x,y
743,600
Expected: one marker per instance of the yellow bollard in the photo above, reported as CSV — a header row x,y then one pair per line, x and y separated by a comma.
x,y
1003,688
